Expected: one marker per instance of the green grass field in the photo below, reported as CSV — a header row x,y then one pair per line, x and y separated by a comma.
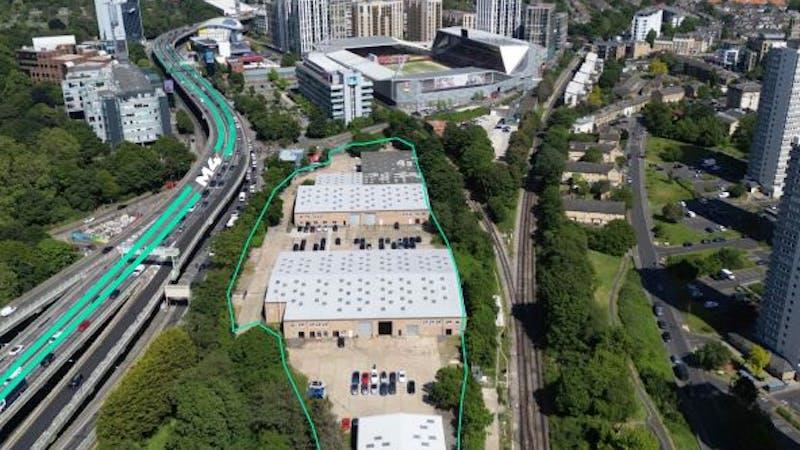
x,y
415,67
605,268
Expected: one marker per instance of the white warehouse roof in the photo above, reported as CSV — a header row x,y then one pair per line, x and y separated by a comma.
x,y
334,178
400,432
365,284
359,198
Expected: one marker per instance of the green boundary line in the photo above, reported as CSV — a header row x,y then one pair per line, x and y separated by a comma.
x,y
235,327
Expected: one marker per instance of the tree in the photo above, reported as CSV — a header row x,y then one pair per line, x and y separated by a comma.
x,y
600,187
184,122
713,355
651,37
615,238
745,391
288,60
758,358
593,155
595,97
743,136
658,67
56,24
737,190
672,212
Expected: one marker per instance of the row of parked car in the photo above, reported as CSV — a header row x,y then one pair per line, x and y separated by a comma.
x,y
373,383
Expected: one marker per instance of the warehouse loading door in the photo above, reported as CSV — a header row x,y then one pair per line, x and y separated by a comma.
x,y
354,219
365,329
369,219
412,330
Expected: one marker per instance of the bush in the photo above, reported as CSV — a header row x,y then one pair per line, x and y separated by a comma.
x,y
184,122
713,355
672,212
615,238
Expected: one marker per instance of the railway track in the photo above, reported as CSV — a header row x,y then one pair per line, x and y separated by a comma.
x,y
532,423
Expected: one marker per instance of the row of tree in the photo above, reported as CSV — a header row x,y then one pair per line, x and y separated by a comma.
x,y
693,122
269,119
587,359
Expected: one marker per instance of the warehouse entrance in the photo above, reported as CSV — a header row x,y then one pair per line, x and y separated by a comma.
x,y
385,328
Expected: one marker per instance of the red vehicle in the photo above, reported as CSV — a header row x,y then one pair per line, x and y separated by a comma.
x,y
84,325
346,424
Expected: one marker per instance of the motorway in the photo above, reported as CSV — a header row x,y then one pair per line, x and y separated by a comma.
x,y
46,397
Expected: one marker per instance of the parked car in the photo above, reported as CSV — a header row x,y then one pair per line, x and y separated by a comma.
x,y
658,310
384,377
392,377
384,389
411,387
373,376
84,325
710,304
47,360
401,376
687,244
373,389
661,324
681,371
666,337
7,311
392,388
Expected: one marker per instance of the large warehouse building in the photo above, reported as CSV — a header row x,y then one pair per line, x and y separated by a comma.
x,y
364,293
462,65
386,191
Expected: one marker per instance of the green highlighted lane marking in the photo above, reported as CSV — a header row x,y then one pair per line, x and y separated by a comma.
x,y
76,313
235,327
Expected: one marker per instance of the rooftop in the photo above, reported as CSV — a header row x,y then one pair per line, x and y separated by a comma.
x,y
595,206
389,167
587,167
400,432
130,79
365,284
359,198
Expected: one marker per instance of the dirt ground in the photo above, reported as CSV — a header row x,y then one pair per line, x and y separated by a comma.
x,y
420,357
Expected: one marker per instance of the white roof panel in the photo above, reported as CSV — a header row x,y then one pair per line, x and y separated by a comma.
x,y
335,178
400,432
365,284
359,198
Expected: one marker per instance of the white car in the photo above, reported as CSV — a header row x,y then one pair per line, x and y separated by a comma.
x,y
7,311
724,194
88,220
401,376
55,336
15,350
373,376
691,214
710,305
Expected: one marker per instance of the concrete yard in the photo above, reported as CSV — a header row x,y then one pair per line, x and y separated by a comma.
x,y
498,137
420,357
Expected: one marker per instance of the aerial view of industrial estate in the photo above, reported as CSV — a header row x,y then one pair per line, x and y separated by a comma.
x,y
400,224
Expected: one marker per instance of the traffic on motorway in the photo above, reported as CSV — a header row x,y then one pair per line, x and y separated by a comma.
x,y
36,349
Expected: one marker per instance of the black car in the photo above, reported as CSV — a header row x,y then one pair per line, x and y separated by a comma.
x,y
661,324
411,387
76,381
681,371
114,294
392,377
384,389
107,249
687,244
666,337
47,360
392,388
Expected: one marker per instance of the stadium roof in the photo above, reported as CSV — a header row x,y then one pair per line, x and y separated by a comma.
x,y
365,284
400,432
512,51
359,198
368,68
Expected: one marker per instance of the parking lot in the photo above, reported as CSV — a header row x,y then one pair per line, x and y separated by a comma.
x,y
498,131
419,357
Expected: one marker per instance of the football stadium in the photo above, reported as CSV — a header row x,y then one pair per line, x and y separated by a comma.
x,y
461,66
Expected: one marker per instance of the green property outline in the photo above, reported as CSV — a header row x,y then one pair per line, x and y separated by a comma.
x,y
235,327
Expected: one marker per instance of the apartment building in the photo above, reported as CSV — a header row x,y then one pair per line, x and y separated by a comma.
x,y
455,18
118,101
118,21
378,18
424,17
538,25
341,19
502,17
645,21
308,24
778,123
